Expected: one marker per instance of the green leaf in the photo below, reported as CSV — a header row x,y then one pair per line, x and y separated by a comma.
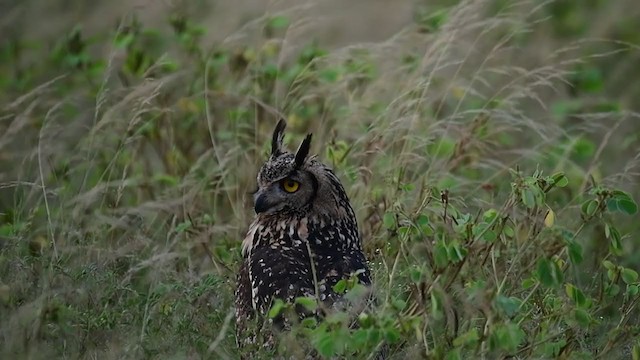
x,y
454,355
489,236
308,303
612,205
489,215
440,255
627,206
528,283
612,290
471,337
389,220
365,320
549,273
608,265
436,306
309,322
415,274
528,198
552,349
508,305
324,344
392,335
508,231
615,246
582,317
629,276
576,295
183,226
507,337
560,180
575,252
360,338
399,304
456,253
340,287
276,308
589,207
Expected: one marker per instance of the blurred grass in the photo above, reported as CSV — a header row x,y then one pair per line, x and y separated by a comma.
x,y
127,152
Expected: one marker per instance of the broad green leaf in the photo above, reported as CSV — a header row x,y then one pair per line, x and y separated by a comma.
x,y
612,290
628,206
549,273
454,355
360,338
575,252
552,349
415,273
582,317
389,220
508,305
615,246
276,308
576,295
589,207
528,283
489,236
308,303
365,320
508,230
392,335
629,276
528,198
560,180
340,286
507,337
471,337
440,255
309,322
608,265
324,344
489,215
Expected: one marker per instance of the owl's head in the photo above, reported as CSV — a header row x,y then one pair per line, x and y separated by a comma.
x,y
291,183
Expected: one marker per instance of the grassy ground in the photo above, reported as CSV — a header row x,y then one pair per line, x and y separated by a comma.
x,y
490,149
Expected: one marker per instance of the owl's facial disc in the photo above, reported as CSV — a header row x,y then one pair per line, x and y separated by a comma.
x,y
293,192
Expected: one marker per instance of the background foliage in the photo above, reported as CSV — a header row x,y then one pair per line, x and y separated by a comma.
x,y
490,148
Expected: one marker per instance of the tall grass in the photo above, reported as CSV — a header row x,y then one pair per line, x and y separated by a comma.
x,y
491,165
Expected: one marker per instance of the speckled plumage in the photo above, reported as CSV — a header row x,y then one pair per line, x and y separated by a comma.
x,y
298,242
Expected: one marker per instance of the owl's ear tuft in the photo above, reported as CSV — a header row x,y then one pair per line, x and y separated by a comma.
x,y
278,136
303,151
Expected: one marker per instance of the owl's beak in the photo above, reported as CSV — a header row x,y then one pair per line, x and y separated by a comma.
x,y
261,203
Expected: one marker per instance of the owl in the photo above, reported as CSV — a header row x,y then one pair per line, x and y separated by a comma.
x,y
303,240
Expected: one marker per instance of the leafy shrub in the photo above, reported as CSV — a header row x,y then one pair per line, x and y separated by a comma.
x,y
494,171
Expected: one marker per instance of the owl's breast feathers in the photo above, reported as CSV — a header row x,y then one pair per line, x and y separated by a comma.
x,y
277,260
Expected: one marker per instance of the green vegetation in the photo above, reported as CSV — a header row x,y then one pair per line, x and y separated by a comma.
x,y
490,150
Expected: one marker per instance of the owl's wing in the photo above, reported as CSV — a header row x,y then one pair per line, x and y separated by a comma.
x,y
278,272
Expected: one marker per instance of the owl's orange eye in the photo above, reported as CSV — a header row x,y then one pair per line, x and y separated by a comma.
x,y
290,186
